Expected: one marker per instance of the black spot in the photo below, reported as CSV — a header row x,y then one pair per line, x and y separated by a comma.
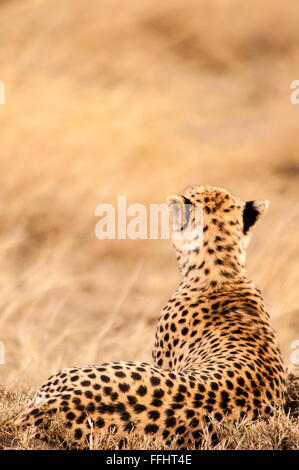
x,y
182,388
78,433
141,391
240,391
136,376
158,393
229,384
124,387
120,407
125,416
240,381
225,395
39,421
240,402
154,415
170,422
81,418
105,378
74,378
129,427
156,402
120,374
178,397
91,407
209,408
155,380
180,430
151,429
189,413
139,408
100,423
194,423
76,401
85,383
109,409
199,396
214,386
131,399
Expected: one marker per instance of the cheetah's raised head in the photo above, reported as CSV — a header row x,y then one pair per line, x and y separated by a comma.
x,y
211,222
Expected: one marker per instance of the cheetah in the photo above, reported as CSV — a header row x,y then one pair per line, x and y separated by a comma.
x,y
215,353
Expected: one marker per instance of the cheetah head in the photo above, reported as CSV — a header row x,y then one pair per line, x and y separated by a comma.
x,y
211,222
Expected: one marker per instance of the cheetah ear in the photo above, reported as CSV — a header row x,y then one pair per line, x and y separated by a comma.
x,y
253,211
174,200
178,200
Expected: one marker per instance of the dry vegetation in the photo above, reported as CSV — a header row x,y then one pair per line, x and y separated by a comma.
x,y
105,100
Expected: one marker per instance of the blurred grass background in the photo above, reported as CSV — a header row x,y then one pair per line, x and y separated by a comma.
x,y
135,98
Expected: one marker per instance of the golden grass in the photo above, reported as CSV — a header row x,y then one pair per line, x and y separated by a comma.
x,y
142,101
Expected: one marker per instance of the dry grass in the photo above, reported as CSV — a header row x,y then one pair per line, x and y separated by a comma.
x,y
104,101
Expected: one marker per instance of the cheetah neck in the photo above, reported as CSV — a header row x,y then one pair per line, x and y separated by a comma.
x,y
209,268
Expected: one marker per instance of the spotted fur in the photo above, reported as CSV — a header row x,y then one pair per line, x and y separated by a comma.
x,y
215,352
